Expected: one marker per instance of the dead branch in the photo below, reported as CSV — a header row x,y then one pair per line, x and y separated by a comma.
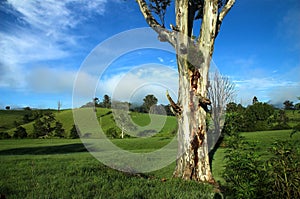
x,y
163,33
174,107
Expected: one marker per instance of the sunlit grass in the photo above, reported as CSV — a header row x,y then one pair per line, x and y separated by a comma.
x,y
61,169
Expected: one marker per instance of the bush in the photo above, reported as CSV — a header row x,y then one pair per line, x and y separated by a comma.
x,y
247,176
296,129
74,133
20,132
4,135
113,132
59,131
284,169
43,125
243,169
281,127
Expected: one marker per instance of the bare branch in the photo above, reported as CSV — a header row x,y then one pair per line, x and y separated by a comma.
x,y
159,7
174,107
220,92
164,34
225,10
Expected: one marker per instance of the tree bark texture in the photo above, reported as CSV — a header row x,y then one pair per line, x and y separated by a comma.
x,y
193,60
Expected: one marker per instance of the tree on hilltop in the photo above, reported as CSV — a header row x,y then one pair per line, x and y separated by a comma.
x,y
288,105
106,101
149,101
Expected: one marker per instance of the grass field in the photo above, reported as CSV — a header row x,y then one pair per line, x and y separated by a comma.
x,y
62,168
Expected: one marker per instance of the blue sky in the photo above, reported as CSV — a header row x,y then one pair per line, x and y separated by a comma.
x,y
44,44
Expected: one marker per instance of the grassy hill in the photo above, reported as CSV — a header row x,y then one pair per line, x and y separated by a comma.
x,y
294,117
104,116
64,116
106,120
8,117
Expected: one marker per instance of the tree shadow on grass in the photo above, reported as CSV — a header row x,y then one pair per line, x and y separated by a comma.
x,y
45,150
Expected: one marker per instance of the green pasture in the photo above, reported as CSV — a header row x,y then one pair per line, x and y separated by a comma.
x,y
61,168
8,117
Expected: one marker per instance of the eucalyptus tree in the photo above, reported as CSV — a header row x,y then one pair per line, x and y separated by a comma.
x,y
194,53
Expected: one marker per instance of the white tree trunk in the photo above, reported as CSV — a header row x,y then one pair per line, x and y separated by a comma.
x,y
193,60
193,160
122,134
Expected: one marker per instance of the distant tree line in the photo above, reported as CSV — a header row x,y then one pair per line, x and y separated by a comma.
x,y
106,103
257,117
149,105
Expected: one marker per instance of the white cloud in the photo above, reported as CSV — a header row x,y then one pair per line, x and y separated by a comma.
x,y
41,31
280,94
57,15
275,89
160,59
49,22
50,80
22,48
140,81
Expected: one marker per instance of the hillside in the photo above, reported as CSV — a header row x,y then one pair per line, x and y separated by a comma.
x,y
8,117
294,117
104,116
107,121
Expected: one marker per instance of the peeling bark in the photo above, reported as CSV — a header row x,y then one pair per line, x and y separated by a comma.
x,y
193,60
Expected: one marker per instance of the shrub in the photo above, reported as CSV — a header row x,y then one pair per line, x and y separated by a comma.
x,y
43,125
113,132
284,169
4,135
281,126
247,176
20,132
59,131
74,133
243,169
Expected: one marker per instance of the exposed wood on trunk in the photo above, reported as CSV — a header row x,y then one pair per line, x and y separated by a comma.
x,y
193,60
